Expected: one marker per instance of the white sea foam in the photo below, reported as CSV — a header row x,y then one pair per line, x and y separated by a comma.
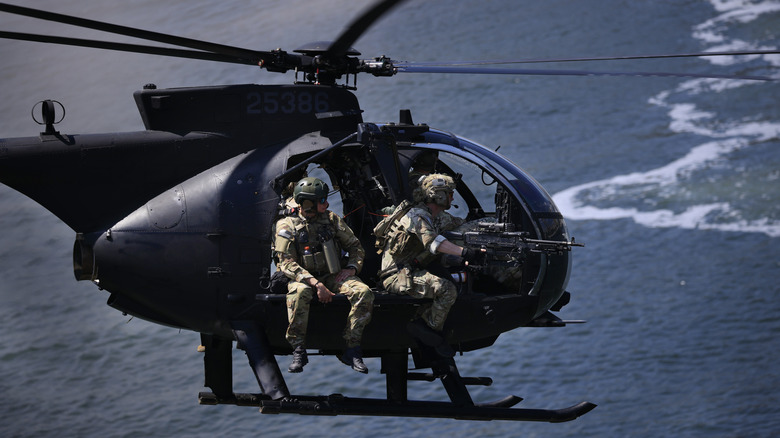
x,y
666,178
694,217
684,118
687,118
734,11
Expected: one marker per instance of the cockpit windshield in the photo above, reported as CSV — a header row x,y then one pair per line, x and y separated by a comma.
x,y
525,186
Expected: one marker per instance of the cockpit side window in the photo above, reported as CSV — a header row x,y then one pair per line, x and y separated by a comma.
x,y
474,196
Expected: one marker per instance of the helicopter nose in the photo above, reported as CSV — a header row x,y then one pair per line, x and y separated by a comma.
x,y
156,262
143,247
164,213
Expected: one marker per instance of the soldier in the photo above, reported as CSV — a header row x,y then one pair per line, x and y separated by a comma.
x,y
308,248
410,246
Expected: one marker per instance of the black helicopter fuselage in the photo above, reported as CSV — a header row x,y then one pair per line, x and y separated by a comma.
x,y
175,221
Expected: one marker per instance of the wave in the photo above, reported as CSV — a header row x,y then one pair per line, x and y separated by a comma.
x,y
698,216
735,12
640,196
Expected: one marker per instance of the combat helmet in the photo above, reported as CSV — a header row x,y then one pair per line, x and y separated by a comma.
x,y
310,189
437,188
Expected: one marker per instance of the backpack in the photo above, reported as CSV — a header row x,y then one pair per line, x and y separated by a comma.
x,y
381,229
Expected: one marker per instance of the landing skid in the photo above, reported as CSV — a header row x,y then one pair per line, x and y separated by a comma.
x,y
337,404
276,398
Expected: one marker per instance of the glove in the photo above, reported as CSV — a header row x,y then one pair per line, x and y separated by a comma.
x,y
469,255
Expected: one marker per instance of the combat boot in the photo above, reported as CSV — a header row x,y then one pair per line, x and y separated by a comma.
x,y
353,357
430,337
299,360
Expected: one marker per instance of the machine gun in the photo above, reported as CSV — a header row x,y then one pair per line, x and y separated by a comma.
x,y
504,246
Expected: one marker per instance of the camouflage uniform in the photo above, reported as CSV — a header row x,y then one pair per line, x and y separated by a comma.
x,y
410,247
296,237
447,222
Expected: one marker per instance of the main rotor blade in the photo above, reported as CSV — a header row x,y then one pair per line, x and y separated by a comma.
x,y
133,48
513,71
235,52
604,58
342,44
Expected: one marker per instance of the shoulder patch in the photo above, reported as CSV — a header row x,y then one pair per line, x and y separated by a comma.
x,y
284,232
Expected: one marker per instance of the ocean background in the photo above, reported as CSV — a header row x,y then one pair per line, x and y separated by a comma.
x,y
673,184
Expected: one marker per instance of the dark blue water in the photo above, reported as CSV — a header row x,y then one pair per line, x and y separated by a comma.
x,y
671,183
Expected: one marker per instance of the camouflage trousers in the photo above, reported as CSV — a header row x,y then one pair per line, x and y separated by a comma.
x,y
299,296
423,284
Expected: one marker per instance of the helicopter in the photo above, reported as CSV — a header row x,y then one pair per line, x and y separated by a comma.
x,y
230,150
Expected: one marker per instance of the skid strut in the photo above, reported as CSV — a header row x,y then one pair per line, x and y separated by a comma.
x,y
276,398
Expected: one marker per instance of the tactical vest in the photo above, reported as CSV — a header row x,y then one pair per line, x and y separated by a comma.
x,y
318,251
404,247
